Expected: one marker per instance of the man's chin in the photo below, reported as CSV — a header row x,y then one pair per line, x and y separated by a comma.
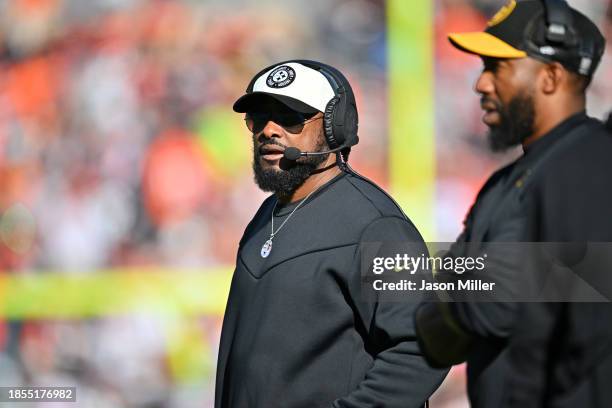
x,y
267,165
280,181
284,176
499,142
491,118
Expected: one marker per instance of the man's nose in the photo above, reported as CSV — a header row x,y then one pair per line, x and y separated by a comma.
x,y
271,129
484,83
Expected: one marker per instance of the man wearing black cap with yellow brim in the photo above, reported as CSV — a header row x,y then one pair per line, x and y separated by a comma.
x,y
539,58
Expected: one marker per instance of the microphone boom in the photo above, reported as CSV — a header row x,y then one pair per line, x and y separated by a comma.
x,y
293,153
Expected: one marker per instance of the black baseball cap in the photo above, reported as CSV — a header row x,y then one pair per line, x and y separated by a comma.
x,y
524,29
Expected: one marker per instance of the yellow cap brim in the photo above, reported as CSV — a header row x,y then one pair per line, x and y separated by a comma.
x,y
484,44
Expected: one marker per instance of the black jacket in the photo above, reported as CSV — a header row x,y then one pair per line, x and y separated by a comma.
x,y
537,354
561,353
297,332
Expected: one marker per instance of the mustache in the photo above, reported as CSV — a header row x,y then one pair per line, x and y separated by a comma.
x,y
268,143
485,100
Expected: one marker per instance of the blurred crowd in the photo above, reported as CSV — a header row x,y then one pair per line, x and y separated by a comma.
x,y
119,149
117,139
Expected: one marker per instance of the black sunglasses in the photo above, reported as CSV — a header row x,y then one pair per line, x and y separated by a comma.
x,y
291,121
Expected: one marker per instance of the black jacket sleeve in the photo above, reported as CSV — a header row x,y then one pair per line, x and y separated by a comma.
x,y
399,375
446,330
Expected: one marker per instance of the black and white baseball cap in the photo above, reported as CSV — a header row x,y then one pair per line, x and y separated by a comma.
x,y
299,87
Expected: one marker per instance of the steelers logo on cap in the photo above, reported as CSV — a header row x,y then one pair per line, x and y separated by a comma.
x,y
503,13
281,77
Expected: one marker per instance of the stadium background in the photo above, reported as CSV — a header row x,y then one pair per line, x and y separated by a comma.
x,y
125,180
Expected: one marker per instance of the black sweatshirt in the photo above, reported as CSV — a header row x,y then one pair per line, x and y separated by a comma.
x,y
296,331
540,354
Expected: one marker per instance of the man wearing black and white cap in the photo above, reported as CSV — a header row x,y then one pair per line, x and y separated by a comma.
x,y
297,332
539,58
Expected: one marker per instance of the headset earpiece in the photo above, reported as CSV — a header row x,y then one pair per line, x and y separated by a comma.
x,y
586,52
558,22
558,39
340,116
329,126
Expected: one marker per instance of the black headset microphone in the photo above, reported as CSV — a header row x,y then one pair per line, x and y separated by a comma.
x,y
293,153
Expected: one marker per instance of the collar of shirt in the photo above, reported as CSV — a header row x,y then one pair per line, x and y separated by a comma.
x,y
282,210
556,133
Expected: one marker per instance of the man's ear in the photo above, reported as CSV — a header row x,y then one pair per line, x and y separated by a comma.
x,y
552,78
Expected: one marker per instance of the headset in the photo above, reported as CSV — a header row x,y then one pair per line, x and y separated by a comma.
x,y
340,118
558,38
341,121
